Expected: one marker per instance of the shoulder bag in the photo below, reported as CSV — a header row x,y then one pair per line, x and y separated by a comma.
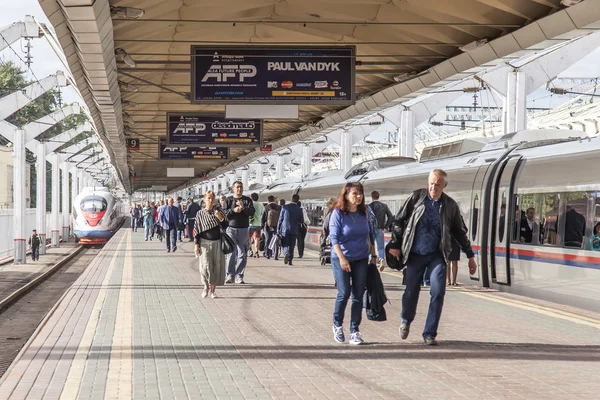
x,y
227,244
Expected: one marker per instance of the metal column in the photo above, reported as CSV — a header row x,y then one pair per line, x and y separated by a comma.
x,y
279,167
346,151
41,195
65,201
55,238
245,175
260,173
20,236
516,102
406,135
74,184
306,159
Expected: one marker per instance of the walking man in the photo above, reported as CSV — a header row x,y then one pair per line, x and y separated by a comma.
x,y
270,219
384,218
191,210
170,218
34,242
135,216
289,226
239,209
435,220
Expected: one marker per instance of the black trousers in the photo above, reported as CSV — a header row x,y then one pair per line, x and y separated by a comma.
x,y
35,253
171,236
190,226
269,232
301,236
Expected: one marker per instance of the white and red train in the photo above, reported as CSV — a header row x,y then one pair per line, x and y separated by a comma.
x,y
97,215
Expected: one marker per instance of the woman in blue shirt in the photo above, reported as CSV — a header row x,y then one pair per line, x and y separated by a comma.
x,y
352,243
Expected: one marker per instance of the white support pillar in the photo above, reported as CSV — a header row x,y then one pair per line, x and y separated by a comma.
x,y
65,201
81,178
224,183
406,134
55,238
20,237
279,167
346,151
41,195
306,159
232,177
215,186
245,175
74,184
516,102
260,173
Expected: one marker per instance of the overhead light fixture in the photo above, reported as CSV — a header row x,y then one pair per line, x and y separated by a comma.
x,y
128,87
473,45
127,131
569,3
405,76
123,56
126,12
127,118
129,104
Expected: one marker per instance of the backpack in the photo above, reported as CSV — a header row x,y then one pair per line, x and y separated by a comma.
x,y
273,215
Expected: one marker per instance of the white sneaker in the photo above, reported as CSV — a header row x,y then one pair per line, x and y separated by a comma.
x,y
205,293
213,295
355,338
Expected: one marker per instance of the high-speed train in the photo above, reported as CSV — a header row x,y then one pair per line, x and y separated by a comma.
x,y
97,215
549,175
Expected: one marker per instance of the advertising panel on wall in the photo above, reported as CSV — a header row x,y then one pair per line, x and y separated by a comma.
x,y
273,75
209,130
184,152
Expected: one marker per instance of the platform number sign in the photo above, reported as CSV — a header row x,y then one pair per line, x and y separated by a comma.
x,y
133,144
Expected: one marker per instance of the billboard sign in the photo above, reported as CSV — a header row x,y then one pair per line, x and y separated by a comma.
x,y
184,152
273,75
209,130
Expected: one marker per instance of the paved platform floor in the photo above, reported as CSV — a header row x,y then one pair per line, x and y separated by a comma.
x,y
135,326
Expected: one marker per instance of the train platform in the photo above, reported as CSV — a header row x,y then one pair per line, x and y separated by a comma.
x,y
134,325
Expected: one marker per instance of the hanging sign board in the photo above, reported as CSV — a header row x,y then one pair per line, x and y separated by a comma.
x,y
206,130
133,144
273,75
181,152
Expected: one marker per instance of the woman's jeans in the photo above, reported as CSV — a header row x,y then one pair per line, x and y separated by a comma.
x,y
358,276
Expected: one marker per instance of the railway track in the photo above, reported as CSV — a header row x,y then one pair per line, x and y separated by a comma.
x,y
22,310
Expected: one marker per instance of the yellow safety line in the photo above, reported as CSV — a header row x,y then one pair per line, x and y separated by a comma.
x,y
71,388
548,311
120,371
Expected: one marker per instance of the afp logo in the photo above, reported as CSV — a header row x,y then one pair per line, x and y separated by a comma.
x,y
222,73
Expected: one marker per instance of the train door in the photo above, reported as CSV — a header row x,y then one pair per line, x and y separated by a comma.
x,y
475,220
502,219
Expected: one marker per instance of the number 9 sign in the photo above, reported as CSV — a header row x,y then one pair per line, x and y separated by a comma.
x,y
133,144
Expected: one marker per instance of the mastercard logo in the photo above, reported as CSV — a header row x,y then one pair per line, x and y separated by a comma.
x,y
287,84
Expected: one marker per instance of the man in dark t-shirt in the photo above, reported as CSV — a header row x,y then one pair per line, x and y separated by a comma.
x,y
239,209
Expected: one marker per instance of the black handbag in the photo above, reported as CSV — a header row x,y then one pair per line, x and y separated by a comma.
x,y
227,244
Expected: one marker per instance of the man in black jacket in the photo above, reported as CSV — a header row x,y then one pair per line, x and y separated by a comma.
x,y
239,209
384,218
191,210
422,234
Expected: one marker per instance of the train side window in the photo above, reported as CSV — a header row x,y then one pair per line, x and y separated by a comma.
x,y
502,217
549,219
596,224
529,221
575,217
475,217
516,220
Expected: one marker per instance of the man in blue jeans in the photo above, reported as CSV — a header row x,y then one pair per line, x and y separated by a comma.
x,y
384,218
290,219
170,217
436,220
239,209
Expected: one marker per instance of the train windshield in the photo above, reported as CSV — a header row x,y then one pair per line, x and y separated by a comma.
x,y
94,204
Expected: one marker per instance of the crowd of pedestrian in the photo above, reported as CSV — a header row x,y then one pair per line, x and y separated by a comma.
x,y
427,235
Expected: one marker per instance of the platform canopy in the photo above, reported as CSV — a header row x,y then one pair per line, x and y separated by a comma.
x,y
401,47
